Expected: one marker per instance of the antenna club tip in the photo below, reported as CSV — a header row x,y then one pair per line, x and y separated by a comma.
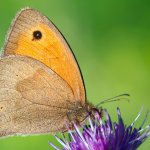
x,y
126,94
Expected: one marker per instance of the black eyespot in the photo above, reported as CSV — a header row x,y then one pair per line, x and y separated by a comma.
x,y
37,35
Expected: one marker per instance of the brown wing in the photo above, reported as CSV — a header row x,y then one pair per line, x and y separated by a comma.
x,y
33,98
49,47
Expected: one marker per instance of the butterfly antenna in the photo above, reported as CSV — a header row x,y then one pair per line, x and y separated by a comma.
x,y
116,98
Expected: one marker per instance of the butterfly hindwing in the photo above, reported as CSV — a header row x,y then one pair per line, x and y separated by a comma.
x,y
31,103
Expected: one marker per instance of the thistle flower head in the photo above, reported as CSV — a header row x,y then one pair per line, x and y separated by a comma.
x,y
107,135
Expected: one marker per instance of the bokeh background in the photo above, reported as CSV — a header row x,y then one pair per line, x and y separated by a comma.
x,y
111,40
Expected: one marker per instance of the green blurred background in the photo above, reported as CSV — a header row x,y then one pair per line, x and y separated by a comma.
x,y
111,40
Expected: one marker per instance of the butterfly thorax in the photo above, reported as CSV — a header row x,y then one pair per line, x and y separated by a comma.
x,y
80,112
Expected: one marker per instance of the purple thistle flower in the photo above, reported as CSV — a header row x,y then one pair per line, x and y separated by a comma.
x,y
98,135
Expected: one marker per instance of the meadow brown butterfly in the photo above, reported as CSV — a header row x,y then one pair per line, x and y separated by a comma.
x,y
41,87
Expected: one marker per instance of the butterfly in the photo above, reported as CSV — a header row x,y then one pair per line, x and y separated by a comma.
x,y
41,86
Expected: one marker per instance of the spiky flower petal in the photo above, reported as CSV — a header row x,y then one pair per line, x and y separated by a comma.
x,y
99,135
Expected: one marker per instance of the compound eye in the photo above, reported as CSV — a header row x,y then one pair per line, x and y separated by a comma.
x,y
37,35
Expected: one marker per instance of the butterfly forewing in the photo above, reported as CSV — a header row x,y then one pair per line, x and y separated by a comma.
x,y
34,35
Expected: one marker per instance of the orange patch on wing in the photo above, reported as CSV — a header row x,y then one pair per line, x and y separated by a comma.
x,y
51,51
